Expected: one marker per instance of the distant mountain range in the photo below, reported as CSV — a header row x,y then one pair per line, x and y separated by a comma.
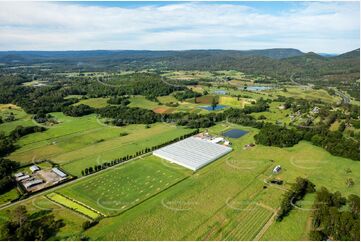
x,y
37,56
320,69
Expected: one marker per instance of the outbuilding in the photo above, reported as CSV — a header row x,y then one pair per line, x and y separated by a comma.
x,y
34,168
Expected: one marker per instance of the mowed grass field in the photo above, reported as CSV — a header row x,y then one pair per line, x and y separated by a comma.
x,y
77,143
275,114
124,186
66,202
94,102
229,199
308,94
233,102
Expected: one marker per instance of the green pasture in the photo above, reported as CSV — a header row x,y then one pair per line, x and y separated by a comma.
x,y
275,114
21,118
77,143
125,186
99,102
9,196
214,202
167,99
66,202
142,102
305,93
40,206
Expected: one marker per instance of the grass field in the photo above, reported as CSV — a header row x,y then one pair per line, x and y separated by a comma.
x,y
99,102
40,206
21,118
142,102
233,102
127,185
275,114
167,99
309,94
8,196
202,201
295,226
66,202
77,143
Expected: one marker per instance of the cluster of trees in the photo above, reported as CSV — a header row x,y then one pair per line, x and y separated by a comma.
x,y
123,115
99,167
78,110
7,167
335,217
7,142
22,226
274,135
181,96
21,131
297,191
41,117
333,141
122,100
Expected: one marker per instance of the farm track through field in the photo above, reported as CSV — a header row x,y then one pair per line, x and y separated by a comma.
x,y
222,207
265,227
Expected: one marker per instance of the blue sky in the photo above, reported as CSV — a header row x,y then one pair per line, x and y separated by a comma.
x,y
327,27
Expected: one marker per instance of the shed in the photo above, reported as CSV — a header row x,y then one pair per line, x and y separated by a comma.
x,y
277,169
34,168
59,172
20,178
19,174
32,183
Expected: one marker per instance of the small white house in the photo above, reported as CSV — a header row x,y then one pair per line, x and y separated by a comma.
x,y
277,169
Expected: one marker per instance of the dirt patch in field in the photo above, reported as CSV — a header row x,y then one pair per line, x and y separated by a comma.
x,y
163,110
206,99
9,106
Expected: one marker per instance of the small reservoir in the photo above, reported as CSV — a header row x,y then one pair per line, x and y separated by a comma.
x,y
210,108
235,133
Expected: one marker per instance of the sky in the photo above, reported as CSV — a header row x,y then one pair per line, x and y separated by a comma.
x,y
322,27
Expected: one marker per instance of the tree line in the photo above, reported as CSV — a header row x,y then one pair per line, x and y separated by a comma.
x,y
334,217
297,191
105,165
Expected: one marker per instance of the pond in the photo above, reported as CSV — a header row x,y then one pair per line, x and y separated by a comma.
x,y
258,88
235,133
220,92
210,108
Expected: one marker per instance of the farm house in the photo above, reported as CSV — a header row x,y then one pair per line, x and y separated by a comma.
x,y
192,153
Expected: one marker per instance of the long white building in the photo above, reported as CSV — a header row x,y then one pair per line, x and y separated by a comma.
x,y
192,153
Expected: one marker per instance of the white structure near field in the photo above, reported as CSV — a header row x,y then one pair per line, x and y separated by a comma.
x,y
193,153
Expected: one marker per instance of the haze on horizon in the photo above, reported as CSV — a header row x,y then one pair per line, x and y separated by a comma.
x,y
322,27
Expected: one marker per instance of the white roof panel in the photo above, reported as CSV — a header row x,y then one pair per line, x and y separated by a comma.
x,y
192,153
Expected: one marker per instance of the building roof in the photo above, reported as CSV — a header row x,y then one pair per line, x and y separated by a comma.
x,y
58,172
34,168
19,174
20,178
32,183
192,153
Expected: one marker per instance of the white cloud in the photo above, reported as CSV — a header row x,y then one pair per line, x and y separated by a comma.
x,y
314,26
